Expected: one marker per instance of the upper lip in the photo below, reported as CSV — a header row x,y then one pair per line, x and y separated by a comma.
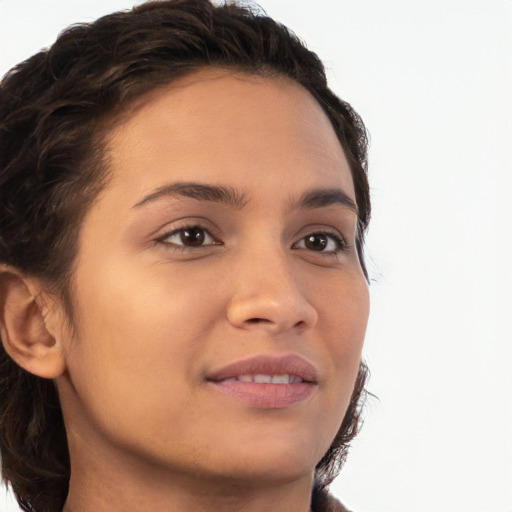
x,y
289,364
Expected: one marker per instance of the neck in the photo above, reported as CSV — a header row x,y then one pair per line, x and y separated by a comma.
x,y
201,497
111,484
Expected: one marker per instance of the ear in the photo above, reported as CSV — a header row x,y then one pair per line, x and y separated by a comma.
x,y
24,316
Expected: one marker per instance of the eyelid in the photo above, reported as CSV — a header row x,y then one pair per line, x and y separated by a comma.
x,y
174,228
341,242
161,239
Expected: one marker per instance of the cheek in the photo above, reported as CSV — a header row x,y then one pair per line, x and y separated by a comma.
x,y
343,308
343,317
138,336
137,306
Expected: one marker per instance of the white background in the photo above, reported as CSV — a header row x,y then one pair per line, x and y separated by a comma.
x,y
433,81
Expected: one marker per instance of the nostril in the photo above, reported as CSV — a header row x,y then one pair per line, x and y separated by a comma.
x,y
256,320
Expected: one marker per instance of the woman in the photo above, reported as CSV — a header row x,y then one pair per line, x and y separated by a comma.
x,y
183,290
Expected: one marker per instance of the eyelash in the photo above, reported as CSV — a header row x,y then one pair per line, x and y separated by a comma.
x,y
341,244
182,247
339,241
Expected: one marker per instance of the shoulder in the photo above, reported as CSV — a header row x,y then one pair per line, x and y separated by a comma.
x,y
325,502
333,505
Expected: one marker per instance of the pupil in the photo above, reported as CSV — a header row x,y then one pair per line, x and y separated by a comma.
x,y
192,236
316,242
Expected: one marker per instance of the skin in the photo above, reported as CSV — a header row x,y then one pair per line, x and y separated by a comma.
x,y
154,317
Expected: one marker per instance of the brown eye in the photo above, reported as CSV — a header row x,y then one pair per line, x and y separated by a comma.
x,y
316,242
189,237
322,242
192,236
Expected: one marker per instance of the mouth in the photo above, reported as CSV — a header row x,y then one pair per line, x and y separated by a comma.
x,y
266,379
269,382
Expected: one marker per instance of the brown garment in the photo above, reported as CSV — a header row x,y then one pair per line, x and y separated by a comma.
x,y
333,505
324,502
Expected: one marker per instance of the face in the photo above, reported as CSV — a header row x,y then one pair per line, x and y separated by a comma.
x,y
220,306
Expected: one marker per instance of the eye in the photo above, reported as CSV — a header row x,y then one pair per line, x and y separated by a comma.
x,y
189,236
322,242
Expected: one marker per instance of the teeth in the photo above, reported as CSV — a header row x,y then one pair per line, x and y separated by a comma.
x,y
262,379
281,379
266,379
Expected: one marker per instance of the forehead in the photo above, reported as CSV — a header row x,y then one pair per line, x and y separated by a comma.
x,y
217,124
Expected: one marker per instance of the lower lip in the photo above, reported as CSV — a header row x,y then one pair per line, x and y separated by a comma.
x,y
267,396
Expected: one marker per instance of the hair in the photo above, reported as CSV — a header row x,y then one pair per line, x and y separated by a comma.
x,y
55,110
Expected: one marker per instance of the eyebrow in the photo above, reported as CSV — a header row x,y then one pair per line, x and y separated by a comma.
x,y
317,198
202,192
322,197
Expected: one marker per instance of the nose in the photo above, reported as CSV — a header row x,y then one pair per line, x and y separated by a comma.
x,y
268,296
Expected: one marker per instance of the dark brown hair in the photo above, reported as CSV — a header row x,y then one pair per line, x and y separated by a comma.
x,y
55,109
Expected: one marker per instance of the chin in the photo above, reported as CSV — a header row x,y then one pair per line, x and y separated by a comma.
x,y
275,464
267,474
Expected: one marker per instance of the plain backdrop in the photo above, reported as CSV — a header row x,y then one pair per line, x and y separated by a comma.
x,y
433,81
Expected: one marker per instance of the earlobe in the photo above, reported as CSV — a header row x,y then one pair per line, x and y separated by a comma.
x,y
23,329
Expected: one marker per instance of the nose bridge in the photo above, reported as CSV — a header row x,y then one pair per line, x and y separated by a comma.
x,y
267,293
